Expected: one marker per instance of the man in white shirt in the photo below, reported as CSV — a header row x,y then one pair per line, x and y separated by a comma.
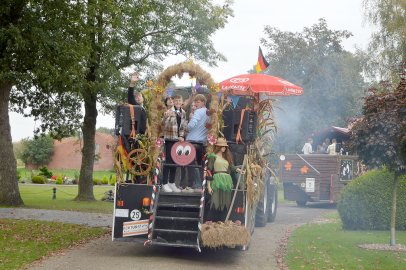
x,y
331,149
307,148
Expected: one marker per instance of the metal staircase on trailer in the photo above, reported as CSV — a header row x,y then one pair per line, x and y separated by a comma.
x,y
177,218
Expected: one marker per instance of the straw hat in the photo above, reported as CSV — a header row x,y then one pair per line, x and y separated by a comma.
x,y
221,142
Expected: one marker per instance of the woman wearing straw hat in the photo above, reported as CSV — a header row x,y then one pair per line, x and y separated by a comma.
x,y
220,183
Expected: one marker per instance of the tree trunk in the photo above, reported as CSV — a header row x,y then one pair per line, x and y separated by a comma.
x,y
88,152
393,214
89,122
9,192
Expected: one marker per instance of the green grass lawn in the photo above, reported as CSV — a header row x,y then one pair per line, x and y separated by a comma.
x,y
40,196
24,241
26,174
327,246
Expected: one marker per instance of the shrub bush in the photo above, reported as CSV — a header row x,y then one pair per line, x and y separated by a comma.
x,y
104,180
59,180
96,181
38,179
45,172
366,202
112,180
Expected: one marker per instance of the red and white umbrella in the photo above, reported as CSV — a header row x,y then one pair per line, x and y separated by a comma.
x,y
247,84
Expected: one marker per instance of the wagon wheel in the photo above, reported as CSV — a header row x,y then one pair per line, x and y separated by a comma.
x,y
139,163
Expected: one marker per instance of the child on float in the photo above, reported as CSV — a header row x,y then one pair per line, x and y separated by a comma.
x,y
174,125
219,181
197,135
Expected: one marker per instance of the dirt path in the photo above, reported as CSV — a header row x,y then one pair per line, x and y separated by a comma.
x,y
105,254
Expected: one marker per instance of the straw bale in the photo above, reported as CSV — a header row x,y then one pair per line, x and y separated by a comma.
x,y
228,234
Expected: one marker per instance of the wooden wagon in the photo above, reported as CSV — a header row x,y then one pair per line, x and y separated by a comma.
x,y
316,177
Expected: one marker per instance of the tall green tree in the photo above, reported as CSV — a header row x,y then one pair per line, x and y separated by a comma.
x,y
330,76
38,151
137,34
40,61
387,48
379,137
92,43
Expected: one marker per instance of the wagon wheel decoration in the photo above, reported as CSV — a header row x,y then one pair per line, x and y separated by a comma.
x,y
139,162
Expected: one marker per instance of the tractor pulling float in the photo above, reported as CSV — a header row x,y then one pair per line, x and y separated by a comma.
x,y
143,213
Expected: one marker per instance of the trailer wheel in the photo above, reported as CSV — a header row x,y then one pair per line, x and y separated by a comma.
x,y
273,202
301,203
263,208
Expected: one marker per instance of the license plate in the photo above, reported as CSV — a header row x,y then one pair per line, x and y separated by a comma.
x,y
136,227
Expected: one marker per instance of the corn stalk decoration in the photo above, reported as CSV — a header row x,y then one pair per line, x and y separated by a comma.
x,y
265,132
254,179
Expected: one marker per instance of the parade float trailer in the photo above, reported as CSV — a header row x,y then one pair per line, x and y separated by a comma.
x,y
316,177
143,213
319,177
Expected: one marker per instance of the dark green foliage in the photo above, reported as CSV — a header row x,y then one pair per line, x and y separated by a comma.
x,y
45,172
38,179
40,54
366,202
38,151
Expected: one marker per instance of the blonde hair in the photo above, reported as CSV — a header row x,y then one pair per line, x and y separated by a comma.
x,y
200,97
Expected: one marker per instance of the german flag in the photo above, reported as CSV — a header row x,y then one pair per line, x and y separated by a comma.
x,y
262,64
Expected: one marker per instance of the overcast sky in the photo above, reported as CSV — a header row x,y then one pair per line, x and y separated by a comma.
x,y
240,39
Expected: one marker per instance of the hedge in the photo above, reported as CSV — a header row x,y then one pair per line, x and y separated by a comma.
x,y
38,179
366,202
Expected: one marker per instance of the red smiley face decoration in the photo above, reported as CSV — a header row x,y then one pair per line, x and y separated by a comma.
x,y
183,153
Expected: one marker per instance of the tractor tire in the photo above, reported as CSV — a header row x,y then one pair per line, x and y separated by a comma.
x,y
262,212
272,202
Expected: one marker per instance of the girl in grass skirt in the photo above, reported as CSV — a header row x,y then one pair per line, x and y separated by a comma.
x,y
220,183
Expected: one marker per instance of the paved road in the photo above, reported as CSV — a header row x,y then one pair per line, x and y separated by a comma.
x,y
88,219
105,254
